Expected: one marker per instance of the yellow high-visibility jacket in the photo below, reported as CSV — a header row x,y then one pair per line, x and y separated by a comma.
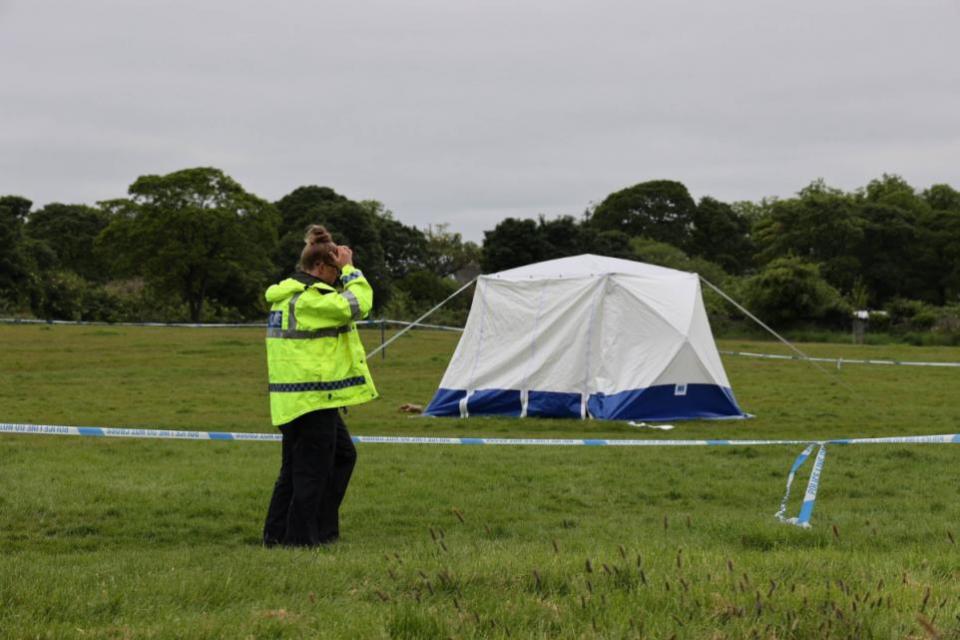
x,y
314,356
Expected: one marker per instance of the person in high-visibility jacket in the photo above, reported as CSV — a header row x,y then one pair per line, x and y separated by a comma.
x,y
316,365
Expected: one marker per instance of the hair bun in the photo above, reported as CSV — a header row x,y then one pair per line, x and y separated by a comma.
x,y
317,234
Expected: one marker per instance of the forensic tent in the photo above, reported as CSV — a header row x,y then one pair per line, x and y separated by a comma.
x,y
587,337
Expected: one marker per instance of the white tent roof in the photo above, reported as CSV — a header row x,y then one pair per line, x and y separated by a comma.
x,y
587,265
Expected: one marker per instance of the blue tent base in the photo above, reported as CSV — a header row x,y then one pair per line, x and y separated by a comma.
x,y
658,403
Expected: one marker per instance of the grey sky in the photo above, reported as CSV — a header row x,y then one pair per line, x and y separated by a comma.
x,y
467,112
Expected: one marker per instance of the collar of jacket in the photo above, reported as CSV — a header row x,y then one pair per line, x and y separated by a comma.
x,y
308,280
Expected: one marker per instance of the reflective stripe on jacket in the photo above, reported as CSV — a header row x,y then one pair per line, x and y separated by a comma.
x,y
314,356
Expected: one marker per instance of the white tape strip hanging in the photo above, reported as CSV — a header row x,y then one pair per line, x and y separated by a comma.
x,y
810,496
802,458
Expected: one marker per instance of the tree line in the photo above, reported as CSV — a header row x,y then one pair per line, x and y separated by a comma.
x,y
195,245
806,261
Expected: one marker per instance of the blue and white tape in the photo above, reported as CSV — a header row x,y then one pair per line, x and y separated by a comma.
x,y
421,325
211,325
168,434
781,515
116,432
810,496
839,361
801,520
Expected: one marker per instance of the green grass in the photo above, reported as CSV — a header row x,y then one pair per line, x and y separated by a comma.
x,y
128,538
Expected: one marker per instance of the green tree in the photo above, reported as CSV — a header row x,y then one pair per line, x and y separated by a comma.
x,y
613,244
939,240
662,210
195,234
891,189
512,243
822,225
898,254
942,197
721,235
564,236
890,260
939,263
69,231
62,296
752,212
404,247
350,223
790,291
421,290
17,278
426,288
298,210
667,255
446,252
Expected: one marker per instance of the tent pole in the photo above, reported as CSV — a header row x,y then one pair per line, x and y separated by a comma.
x,y
772,332
420,319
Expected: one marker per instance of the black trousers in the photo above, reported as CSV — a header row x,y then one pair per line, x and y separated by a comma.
x,y
317,461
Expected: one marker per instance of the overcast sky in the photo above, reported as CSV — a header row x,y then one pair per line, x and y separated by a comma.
x,y
465,113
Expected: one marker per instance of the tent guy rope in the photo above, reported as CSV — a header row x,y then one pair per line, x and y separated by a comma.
x,y
419,320
776,335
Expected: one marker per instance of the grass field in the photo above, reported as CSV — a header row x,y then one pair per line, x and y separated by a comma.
x,y
160,539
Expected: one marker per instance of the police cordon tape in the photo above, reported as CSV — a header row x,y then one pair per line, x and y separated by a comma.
x,y
99,323
372,324
801,520
202,325
839,361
